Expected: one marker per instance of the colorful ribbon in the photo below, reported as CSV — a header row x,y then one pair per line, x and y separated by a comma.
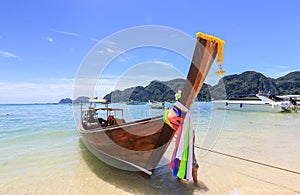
x,y
182,158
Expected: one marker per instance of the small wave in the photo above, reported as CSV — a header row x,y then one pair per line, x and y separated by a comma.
x,y
16,130
5,115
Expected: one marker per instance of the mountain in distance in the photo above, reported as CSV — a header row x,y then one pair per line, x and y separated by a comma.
x,y
65,101
289,84
156,91
81,99
249,82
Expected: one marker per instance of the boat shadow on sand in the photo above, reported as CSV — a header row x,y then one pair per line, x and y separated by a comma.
x,y
161,182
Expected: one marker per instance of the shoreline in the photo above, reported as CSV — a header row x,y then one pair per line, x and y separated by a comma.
x,y
44,154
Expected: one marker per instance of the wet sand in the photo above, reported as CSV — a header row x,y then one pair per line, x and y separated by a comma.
x,y
48,158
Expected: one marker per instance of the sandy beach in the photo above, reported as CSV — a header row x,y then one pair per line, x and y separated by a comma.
x,y
46,156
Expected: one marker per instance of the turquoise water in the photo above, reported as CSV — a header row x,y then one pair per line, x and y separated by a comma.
x,y
35,140
41,153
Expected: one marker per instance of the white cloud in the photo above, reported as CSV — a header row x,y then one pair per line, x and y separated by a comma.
x,y
7,54
143,73
165,64
122,59
94,39
106,85
50,39
67,33
282,67
109,50
100,51
108,42
36,92
274,70
279,74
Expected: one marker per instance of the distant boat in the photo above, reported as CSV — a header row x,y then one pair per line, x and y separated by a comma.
x,y
140,145
157,105
136,103
257,102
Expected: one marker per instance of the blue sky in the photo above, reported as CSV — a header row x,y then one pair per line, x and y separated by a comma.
x,y
42,43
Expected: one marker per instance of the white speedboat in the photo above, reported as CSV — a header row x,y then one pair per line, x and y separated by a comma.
x,y
157,105
258,102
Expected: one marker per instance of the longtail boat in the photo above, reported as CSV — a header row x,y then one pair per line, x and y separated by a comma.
x,y
140,145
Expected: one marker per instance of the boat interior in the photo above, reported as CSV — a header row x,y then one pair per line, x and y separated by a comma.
x,y
91,119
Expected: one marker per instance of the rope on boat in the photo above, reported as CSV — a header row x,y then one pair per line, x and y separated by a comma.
x,y
249,160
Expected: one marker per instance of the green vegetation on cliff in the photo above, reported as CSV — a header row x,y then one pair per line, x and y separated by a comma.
x,y
289,84
156,91
249,82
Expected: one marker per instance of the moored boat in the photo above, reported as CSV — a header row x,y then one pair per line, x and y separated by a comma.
x,y
157,105
136,103
257,102
140,145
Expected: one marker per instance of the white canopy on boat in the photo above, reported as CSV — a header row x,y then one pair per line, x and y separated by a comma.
x,y
94,100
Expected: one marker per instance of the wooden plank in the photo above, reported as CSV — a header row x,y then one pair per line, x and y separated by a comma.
x,y
194,75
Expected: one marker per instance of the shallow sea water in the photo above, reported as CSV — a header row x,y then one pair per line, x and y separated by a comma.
x,y
41,153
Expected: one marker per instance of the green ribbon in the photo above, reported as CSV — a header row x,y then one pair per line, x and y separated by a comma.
x,y
184,159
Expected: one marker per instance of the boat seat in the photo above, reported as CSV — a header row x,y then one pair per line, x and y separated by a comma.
x,y
120,121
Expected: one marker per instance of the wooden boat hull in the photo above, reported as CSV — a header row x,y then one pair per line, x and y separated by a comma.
x,y
141,144
136,146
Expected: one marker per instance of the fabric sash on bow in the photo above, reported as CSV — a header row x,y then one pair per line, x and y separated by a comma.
x,y
182,158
